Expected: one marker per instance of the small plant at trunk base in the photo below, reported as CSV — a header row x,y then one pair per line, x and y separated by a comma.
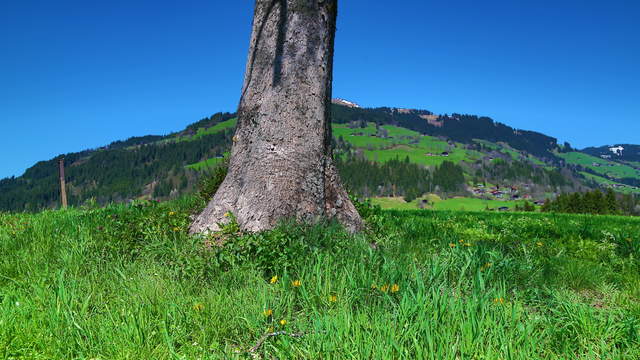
x,y
210,182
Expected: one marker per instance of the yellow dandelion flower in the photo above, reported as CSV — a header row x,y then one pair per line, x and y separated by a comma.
x,y
176,229
267,312
171,213
296,283
274,279
395,288
333,298
384,288
539,243
461,241
283,322
198,307
498,301
227,214
452,245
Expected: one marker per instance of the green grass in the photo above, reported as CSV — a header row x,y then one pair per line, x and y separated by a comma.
x,y
604,181
127,282
607,167
505,148
435,203
402,143
222,126
472,204
207,164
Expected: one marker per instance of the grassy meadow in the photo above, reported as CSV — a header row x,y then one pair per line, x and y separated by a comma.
x,y
127,282
437,203
606,167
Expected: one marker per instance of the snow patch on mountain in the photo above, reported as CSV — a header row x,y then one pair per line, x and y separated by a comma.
x,y
344,102
617,150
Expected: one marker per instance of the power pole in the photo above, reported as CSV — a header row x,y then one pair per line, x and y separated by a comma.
x,y
63,186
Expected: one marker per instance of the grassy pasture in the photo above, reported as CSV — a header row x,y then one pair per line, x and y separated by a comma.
x,y
222,126
127,282
436,203
606,167
601,180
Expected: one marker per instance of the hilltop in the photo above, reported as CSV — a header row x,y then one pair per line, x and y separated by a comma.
x,y
406,153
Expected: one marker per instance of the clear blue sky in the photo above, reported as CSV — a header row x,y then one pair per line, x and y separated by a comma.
x,y
80,74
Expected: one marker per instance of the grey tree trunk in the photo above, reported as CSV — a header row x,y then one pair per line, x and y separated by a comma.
x,y
281,161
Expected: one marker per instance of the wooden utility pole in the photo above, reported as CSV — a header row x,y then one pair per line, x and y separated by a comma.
x,y
63,185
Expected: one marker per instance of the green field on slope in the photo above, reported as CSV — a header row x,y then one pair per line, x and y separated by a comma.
x,y
435,203
401,143
606,167
222,126
603,181
128,282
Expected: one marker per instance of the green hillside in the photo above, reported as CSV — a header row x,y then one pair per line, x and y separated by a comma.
x,y
127,282
374,142
434,202
600,166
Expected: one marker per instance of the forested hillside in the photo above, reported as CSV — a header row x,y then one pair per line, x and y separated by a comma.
x,y
381,152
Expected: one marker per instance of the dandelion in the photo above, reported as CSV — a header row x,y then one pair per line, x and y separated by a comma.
x,y
267,312
539,244
498,301
227,214
198,307
384,288
176,229
283,322
333,298
395,288
468,244
461,241
296,283
274,279
171,213
452,245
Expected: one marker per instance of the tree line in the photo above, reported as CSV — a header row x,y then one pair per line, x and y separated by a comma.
x,y
594,202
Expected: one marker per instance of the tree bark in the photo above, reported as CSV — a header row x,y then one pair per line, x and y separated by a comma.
x,y
281,162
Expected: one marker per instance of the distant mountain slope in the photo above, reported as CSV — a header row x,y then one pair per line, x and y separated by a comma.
x,y
457,127
164,166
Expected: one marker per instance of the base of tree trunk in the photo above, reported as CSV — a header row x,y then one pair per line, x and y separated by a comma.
x,y
232,198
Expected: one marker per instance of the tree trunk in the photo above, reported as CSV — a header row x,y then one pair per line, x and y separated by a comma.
x,y
281,163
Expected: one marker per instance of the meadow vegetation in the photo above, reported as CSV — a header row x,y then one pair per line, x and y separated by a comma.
x,y
128,282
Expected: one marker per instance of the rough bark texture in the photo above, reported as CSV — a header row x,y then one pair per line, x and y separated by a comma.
x,y
281,161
